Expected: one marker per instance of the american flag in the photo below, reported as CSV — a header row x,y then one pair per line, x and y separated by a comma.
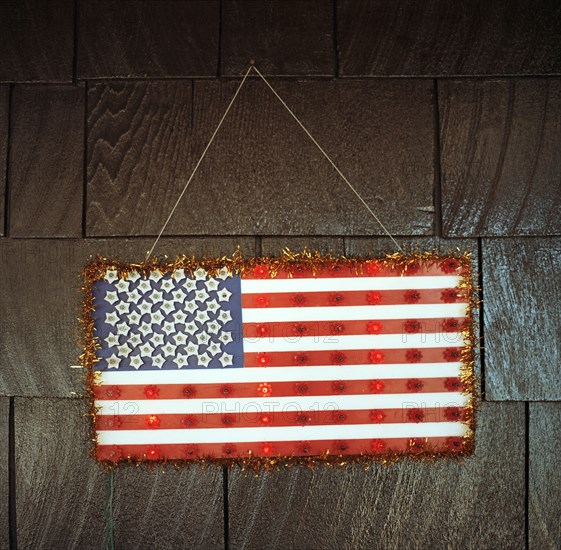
x,y
361,359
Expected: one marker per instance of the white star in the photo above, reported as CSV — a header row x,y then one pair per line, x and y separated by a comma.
x,y
123,328
168,307
224,295
167,285
203,360
155,276
122,285
135,340
111,318
191,306
192,349
169,349
134,296
191,328
112,340
136,362
203,338
200,274
226,360
179,317
202,316
157,318
113,362
111,297
134,318
213,349
133,276
145,307
180,338
180,361
124,350
213,327
212,284
157,340
144,286
156,296
123,307
179,295
223,273
225,316
146,350
190,285
178,274
201,296
158,361
145,328
169,327
212,305
226,337
111,275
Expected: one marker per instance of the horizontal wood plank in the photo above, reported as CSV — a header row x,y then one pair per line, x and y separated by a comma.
x,y
501,157
476,503
522,318
4,472
273,246
40,304
4,131
47,161
544,476
147,39
36,40
286,37
60,489
437,38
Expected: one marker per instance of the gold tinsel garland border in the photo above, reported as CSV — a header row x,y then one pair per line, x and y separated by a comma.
x,y
289,261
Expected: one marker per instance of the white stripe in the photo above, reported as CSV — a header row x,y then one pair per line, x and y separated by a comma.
x,y
352,313
250,286
249,405
355,342
288,433
280,374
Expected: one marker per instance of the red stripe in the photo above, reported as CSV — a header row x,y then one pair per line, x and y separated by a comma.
x,y
341,328
347,298
284,418
276,389
351,357
283,448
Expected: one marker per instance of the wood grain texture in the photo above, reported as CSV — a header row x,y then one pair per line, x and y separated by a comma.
x,y
434,38
169,509
4,473
138,146
544,476
147,39
478,503
60,489
283,37
4,131
501,157
46,161
36,40
522,318
40,304
264,176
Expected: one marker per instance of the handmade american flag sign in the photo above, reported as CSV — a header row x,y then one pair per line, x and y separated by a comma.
x,y
307,358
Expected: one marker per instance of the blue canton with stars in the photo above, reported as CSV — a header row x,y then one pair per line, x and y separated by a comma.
x,y
172,321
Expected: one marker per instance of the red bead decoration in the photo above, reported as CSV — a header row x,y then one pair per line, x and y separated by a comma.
x,y
300,329
263,359
452,354
336,299
415,385
415,415
301,388
189,392
305,447
261,300
265,419
340,446
303,419
229,449
228,420
152,422
412,268
151,392
453,384
112,453
267,448
454,414
264,390
339,417
449,296
299,299
301,359
454,443
113,392
261,271
189,421
413,355
412,326
377,416
377,386
153,453
374,298
412,296
374,327
376,356
338,386
338,358
451,325
113,422
337,328
191,451
378,445
373,268
450,265
417,445
262,330
226,390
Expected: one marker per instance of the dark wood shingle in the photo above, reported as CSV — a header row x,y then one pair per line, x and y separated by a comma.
x,y
4,475
4,129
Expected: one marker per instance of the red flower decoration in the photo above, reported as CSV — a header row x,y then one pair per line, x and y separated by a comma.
x,y
337,328
374,298
339,386
112,453
301,388
153,453
449,296
265,419
336,269
263,359
452,354
417,445
415,385
450,265
303,418
300,329
339,417
189,421
261,300
338,358
228,420
412,296
452,325
262,330
152,422
454,443
412,326
373,268
377,386
229,449
191,451
226,390
336,299
374,327
305,447
301,359
113,422
378,445
267,448
415,415
113,392
413,355
340,446
189,391
376,356
377,416
454,414
412,268
151,392
453,384
300,270
264,390
299,299
261,271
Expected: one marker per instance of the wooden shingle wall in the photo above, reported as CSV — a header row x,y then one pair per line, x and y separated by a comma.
x,y
447,118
